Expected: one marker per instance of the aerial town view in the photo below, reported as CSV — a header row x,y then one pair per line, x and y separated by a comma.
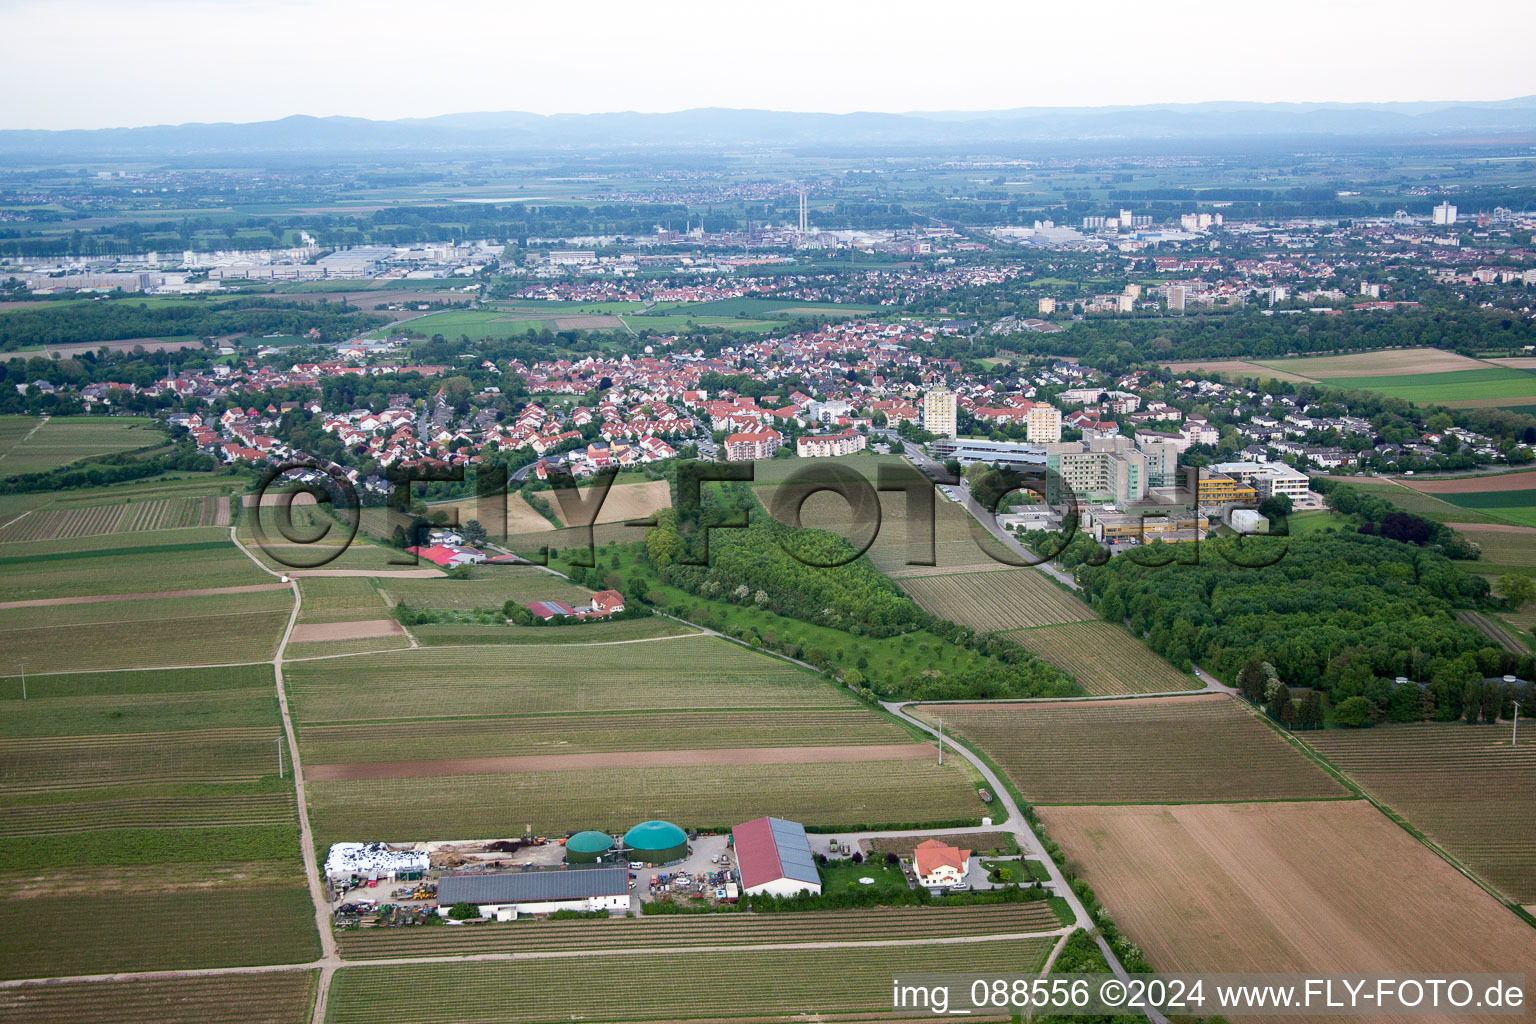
x,y
684,514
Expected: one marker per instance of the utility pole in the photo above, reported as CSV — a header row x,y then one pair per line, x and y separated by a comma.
x,y
1515,738
941,741
22,664
279,757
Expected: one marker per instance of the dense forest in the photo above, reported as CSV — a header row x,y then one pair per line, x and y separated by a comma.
x,y
1344,613
58,324
751,566
1119,344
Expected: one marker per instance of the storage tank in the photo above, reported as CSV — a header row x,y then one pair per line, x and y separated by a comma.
x,y
587,847
656,842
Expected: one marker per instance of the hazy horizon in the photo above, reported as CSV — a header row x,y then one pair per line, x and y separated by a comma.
x,y
88,64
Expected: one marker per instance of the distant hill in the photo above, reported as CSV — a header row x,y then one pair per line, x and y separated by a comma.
x,y
711,128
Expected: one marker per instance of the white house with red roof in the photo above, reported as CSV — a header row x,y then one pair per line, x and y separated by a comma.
x,y
939,865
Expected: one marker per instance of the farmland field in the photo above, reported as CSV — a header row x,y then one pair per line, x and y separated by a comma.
x,y
497,586
1455,386
1382,363
521,517
124,564
1104,658
694,671
828,794
1524,480
107,779
61,440
222,629
891,923
131,517
104,932
1427,505
340,599
1517,507
279,997
699,986
1140,750
996,600
1226,888
1463,786
623,502
579,734
585,634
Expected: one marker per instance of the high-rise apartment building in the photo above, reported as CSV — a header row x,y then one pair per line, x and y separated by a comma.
x,y
939,412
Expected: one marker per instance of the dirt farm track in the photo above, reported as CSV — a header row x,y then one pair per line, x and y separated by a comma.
x,y
618,759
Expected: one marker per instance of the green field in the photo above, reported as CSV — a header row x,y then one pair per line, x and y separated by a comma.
x,y
1197,749
825,794
97,933
131,796
990,601
217,630
340,599
1518,507
660,987
143,563
1453,386
722,929
686,672
1103,658
584,634
279,997
587,733
760,307
496,589
61,440
1429,506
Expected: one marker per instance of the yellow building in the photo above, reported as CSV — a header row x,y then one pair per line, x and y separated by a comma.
x,y
1215,489
1120,527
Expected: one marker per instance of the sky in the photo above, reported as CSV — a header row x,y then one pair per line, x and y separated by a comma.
x,y
118,63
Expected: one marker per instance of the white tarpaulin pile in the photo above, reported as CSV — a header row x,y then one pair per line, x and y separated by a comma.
x,y
371,860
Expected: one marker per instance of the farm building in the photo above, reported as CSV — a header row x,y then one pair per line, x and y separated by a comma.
x,y
656,842
373,861
504,896
550,609
449,556
587,847
774,857
939,864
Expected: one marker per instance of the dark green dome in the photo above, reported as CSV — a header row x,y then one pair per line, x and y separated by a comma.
x,y
590,842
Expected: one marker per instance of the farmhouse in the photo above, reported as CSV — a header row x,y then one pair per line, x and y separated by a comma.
x,y
607,602
940,865
504,896
774,857
449,556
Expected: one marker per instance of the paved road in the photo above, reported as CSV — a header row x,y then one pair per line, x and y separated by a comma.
x,y
1027,840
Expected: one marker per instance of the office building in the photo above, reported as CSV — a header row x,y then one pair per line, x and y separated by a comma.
x,y
1445,215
